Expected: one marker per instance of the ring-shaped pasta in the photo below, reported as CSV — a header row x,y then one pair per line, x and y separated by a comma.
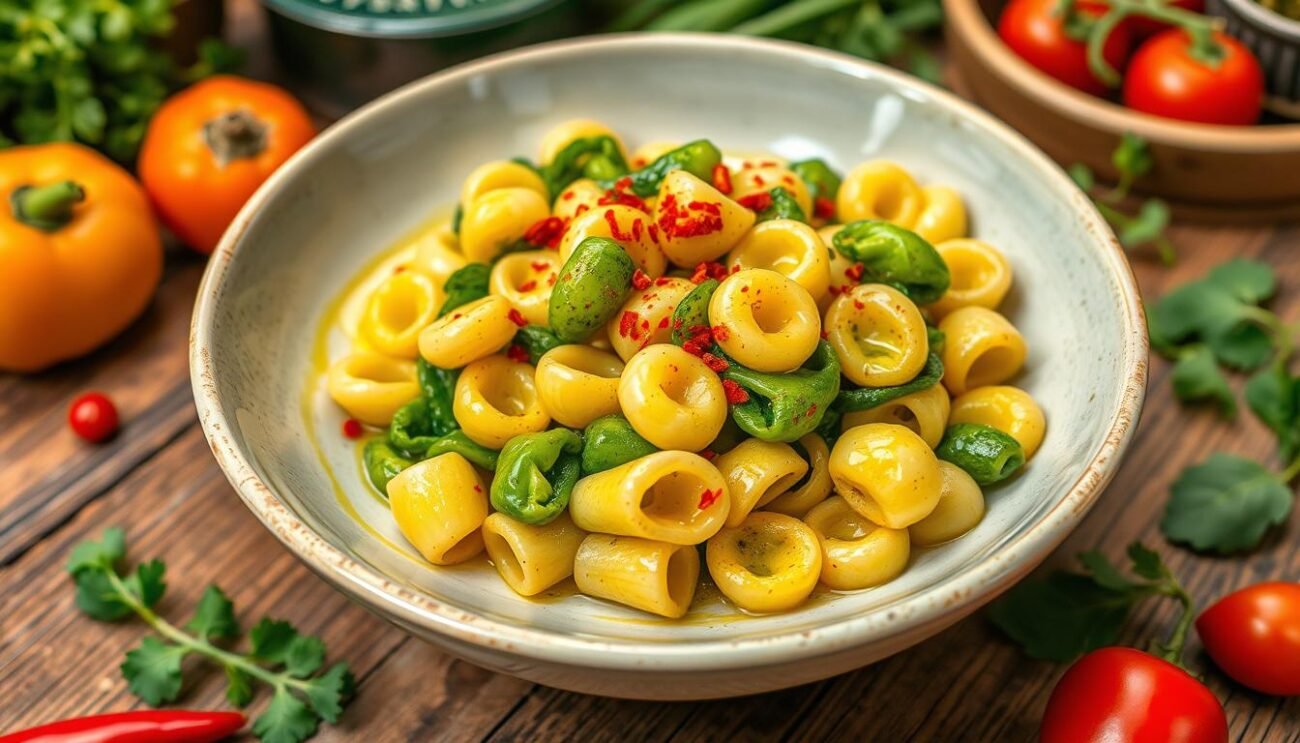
x,y
856,553
878,334
625,225
1008,409
578,198
886,473
399,308
981,276
371,387
524,280
564,133
960,509
500,174
497,219
647,316
792,249
696,222
651,576
770,562
672,398
765,176
437,254
757,472
980,348
439,506
496,400
925,412
943,217
578,384
468,333
879,190
767,322
531,559
815,485
668,496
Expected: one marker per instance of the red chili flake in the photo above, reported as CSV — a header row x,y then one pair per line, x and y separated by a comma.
x,y
709,454
613,198
823,207
455,315
722,178
627,324
787,180
653,231
812,410
640,280
663,281
769,164
528,286
567,195
758,180
518,353
540,266
711,207
735,393
582,209
517,317
663,323
857,304
744,289
855,271
399,269
624,183
637,228
546,232
352,428
757,201
478,488
615,231
638,162
693,347
716,364
683,223
550,280
720,332
709,497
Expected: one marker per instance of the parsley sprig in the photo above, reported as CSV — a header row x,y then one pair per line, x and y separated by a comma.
x,y
278,657
1132,159
1227,503
1064,614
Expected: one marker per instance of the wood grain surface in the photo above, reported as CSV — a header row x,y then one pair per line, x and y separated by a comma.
x,y
158,479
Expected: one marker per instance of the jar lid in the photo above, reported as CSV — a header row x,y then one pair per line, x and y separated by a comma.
x,y
406,18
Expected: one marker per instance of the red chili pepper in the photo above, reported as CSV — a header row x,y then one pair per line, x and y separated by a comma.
x,y
823,207
140,726
640,280
517,317
757,201
734,392
722,178
93,417
709,497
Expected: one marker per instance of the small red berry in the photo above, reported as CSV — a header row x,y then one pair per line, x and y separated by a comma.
x,y
93,417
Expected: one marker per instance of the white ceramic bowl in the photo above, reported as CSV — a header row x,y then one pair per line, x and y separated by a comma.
x,y
376,174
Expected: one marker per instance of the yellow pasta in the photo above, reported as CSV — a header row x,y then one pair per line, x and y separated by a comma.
x,y
696,221
563,134
1008,409
980,348
770,562
437,254
497,219
646,317
578,384
757,472
398,310
960,509
668,496
886,473
672,398
371,387
627,226
766,175
439,506
531,559
856,553
578,198
496,400
468,333
981,276
651,151
524,280
815,485
651,576
925,412
771,323
879,190
500,174
943,217
878,335
792,249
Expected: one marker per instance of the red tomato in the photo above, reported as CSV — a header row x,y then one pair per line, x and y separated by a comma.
x,y
93,417
1035,31
1122,695
1254,636
1144,27
1164,79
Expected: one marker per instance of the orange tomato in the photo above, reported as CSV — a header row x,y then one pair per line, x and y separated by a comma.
x,y
210,146
80,254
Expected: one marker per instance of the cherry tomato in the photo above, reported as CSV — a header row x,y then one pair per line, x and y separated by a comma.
x,y
210,146
93,417
1144,27
1166,79
1122,695
1035,31
1254,636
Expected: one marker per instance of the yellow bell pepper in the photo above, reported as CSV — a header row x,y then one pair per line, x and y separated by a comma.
x,y
80,254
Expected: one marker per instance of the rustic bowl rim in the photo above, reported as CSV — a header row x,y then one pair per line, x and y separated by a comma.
x,y
409,608
1259,16
965,17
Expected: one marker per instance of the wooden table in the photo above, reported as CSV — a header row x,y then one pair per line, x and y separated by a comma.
x,y
159,480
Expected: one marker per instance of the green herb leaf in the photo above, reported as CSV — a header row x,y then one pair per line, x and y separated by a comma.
x,y
153,671
1147,563
1147,225
272,639
328,692
146,584
1082,176
286,720
99,598
1225,504
214,617
1104,573
239,687
103,554
1244,346
1132,158
1274,396
304,656
1062,616
1248,280
1196,377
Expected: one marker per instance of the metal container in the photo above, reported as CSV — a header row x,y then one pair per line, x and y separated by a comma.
x,y
339,54
1275,39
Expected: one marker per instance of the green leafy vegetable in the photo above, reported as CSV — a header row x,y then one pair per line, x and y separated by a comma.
x,y
590,290
598,158
1196,377
783,206
987,454
279,657
1225,504
1132,160
853,399
822,181
536,474
785,407
466,284
611,441
892,255
697,158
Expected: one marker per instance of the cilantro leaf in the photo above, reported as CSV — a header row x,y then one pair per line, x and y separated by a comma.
x,y
1104,573
1190,309
153,671
146,583
1147,225
1225,504
239,687
1245,345
1196,377
1274,396
99,598
1248,280
1147,562
104,554
1132,158
1082,176
330,690
272,640
286,720
1062,616
304,655
214,617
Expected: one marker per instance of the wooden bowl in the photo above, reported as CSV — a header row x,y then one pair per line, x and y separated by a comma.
x,y
1219,173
